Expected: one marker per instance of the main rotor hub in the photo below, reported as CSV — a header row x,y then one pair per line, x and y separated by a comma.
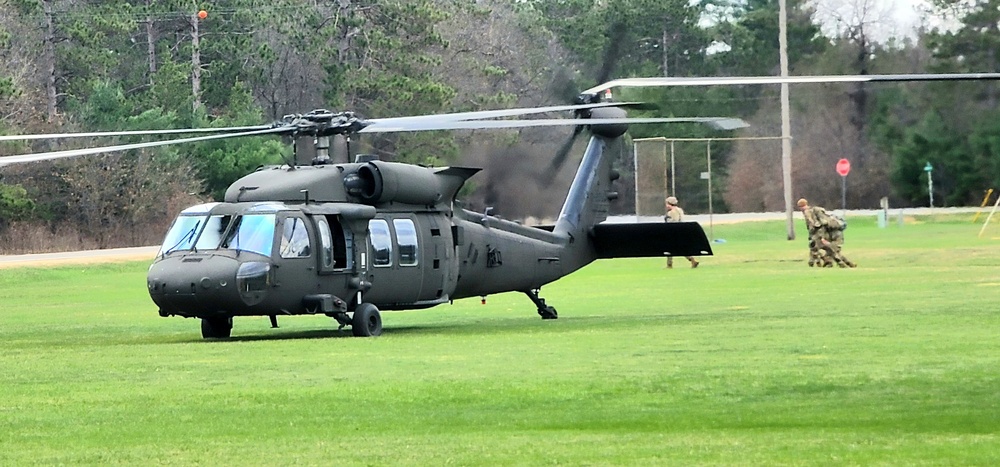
x,y
322,122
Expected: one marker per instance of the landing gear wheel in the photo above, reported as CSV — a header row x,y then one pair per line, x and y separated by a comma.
x,y
216,328
548,313
545,311
367,322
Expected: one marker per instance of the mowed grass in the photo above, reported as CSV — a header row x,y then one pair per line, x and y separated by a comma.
x,y
753,358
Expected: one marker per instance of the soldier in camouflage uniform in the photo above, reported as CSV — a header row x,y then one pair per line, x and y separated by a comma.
x,y
676,214
820,251
816,255
826,237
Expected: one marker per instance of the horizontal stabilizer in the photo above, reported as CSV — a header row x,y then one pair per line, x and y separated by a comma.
x,y
650,239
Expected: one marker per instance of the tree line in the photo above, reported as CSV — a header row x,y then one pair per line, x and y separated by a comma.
x,y
72,65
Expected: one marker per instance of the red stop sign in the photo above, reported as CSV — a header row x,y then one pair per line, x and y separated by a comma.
x,y
843,167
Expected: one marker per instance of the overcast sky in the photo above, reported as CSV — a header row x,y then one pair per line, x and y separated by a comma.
x,y
883,18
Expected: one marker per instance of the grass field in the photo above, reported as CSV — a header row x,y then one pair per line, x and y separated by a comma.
x,y
752,358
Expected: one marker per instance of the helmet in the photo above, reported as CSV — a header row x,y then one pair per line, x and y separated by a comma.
x,y
803,202
672,201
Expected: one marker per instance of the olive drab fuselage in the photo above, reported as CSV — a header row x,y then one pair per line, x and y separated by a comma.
x,y
253,255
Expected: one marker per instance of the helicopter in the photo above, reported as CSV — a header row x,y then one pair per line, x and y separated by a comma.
x,y
350,239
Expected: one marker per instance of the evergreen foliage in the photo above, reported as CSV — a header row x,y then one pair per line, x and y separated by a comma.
x,y
15,204
140,64
950,125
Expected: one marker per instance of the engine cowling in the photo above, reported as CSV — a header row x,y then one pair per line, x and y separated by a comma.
x,y
379,182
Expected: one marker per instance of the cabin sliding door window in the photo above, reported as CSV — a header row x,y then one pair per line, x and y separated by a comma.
x,y
381,241
406,238
337,250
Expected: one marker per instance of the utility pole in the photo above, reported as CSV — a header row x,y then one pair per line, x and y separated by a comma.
x,y
786,124
930,181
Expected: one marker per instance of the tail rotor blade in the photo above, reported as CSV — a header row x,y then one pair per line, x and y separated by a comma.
x,y
563,153
616,34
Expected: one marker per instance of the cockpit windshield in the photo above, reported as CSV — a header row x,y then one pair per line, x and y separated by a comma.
x,y
211,235
182,233
252,232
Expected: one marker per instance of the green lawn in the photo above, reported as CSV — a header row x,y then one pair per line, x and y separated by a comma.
x,y
753,358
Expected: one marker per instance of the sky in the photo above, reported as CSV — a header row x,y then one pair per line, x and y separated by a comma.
x,y
885,18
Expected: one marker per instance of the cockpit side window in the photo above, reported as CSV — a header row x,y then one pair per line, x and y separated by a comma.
x,y
406,237
381,241
294,238
326,242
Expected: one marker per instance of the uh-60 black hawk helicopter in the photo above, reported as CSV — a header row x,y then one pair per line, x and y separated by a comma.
x,y
348,239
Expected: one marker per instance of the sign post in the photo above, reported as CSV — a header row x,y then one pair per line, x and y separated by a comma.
x,y
843,168
930,182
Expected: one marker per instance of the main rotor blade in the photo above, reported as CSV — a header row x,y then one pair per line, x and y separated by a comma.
x,y
718,123
484,114
736,80
125,147
133,133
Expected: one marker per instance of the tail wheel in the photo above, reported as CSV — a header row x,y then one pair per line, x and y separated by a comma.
x,y
216,328
367,321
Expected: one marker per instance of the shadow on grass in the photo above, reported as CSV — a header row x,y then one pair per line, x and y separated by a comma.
x,y
460,326
279,335
289,335
463,326
774,260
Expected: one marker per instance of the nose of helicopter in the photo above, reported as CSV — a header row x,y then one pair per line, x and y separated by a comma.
x,y
197,285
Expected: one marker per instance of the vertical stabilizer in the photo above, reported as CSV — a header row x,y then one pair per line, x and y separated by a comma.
x,y
587,202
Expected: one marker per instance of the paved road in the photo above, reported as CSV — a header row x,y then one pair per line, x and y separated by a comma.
x,y
80,257
149,252
705,219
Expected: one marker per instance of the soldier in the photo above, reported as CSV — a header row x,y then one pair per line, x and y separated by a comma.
x,y
818,256
826,237
676,214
